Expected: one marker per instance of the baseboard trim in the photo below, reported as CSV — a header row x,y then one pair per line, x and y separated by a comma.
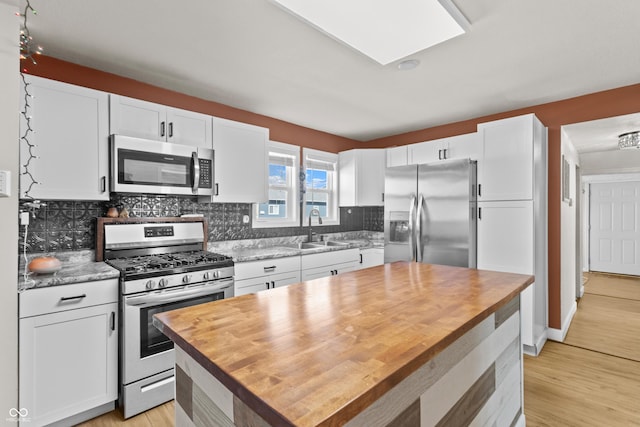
x,y
521,421
560,334
537,347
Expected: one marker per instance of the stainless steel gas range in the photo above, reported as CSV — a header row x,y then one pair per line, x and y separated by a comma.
x,y
163,266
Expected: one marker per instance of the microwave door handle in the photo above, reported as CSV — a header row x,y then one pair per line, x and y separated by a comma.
x,y
196,171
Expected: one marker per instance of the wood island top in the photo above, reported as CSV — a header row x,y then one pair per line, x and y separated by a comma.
x,y
319,352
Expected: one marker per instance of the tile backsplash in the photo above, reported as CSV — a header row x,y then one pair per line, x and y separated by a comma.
x,y
70,225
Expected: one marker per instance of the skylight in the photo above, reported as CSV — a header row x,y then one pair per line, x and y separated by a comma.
x,y
384,30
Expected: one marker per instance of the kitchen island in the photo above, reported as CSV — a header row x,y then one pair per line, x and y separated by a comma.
x,y
401,344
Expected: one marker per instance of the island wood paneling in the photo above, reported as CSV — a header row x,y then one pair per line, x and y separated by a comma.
x,y
320,352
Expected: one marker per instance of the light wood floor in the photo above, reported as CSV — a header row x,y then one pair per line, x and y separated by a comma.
x,y
592,381
593,378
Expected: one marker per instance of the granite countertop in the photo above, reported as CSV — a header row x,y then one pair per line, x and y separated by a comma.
x,y
77,267
269,248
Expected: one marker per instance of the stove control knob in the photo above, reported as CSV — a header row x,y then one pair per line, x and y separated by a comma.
x,y
186,278
150,284
216,274
207,275
162,283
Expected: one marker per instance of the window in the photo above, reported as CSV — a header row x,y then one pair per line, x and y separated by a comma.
x,y
281,210
321,185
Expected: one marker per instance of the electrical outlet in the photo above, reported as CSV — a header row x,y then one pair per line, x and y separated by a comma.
x,y
245,219
5,183
24,218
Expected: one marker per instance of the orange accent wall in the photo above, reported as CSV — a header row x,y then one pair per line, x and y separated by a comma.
x,y
279,130
554,115
610,103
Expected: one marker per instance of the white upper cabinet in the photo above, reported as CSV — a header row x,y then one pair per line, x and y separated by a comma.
x,y
71,137
241,162
142,119
362,177
505,169
397,156
467,146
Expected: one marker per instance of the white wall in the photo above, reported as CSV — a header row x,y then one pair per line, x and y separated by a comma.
x,y
9,101
568,240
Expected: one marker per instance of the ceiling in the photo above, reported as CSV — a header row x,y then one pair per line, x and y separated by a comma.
x,y
601,135
253,55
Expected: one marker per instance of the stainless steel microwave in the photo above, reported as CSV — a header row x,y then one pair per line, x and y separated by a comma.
x,y
146,166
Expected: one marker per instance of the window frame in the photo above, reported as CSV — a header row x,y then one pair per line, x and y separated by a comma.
x,y
292,187
333,211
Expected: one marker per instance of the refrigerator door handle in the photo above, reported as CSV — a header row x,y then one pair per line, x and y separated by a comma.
x,y
412,221
419,231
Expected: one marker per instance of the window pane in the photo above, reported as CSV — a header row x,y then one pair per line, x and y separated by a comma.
x,y
316,200
277,174
316,179
276,207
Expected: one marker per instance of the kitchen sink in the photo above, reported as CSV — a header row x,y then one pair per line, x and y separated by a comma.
x,y
316,245
310,245
335,243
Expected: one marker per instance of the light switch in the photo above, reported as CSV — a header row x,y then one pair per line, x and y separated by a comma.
x,y
5,183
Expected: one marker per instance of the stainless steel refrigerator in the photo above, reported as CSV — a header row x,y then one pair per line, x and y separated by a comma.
x,y
430,213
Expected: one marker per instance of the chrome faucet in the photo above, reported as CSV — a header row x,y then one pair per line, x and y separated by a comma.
x,y
313,212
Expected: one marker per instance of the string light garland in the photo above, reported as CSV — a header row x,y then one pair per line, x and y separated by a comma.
x,y
28,50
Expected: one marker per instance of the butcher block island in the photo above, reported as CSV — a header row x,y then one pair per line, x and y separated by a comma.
x,y
403,344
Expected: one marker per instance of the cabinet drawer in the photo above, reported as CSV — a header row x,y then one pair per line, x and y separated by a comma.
x,y
329,258
328,270
246,270
67,297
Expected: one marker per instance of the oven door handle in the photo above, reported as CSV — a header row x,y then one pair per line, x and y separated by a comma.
x,y
174,296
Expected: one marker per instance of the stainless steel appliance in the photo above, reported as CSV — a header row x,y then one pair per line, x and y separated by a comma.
x,y
162,267
430,213
144,166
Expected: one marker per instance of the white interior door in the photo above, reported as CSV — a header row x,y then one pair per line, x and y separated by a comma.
x,y
614,232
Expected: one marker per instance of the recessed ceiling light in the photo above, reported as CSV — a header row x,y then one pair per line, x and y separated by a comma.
x,y
408,64
386,31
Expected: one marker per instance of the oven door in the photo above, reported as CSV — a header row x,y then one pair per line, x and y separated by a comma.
x,y
146,351
144,166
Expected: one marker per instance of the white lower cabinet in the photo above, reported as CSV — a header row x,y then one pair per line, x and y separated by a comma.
x,y
315,266
255,276
68,350
371,257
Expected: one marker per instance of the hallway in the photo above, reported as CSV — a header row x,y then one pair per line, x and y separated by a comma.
x,y
593,378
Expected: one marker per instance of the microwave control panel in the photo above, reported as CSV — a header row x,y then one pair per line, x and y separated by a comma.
x,y
205,173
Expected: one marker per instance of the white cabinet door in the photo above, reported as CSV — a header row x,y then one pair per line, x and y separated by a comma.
x,y
148,120
250,286
467,146
188,128
397,156
241,162
362,177
424,152
371,257
137,118
71,137
505,169
505,236
68,362
284,279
